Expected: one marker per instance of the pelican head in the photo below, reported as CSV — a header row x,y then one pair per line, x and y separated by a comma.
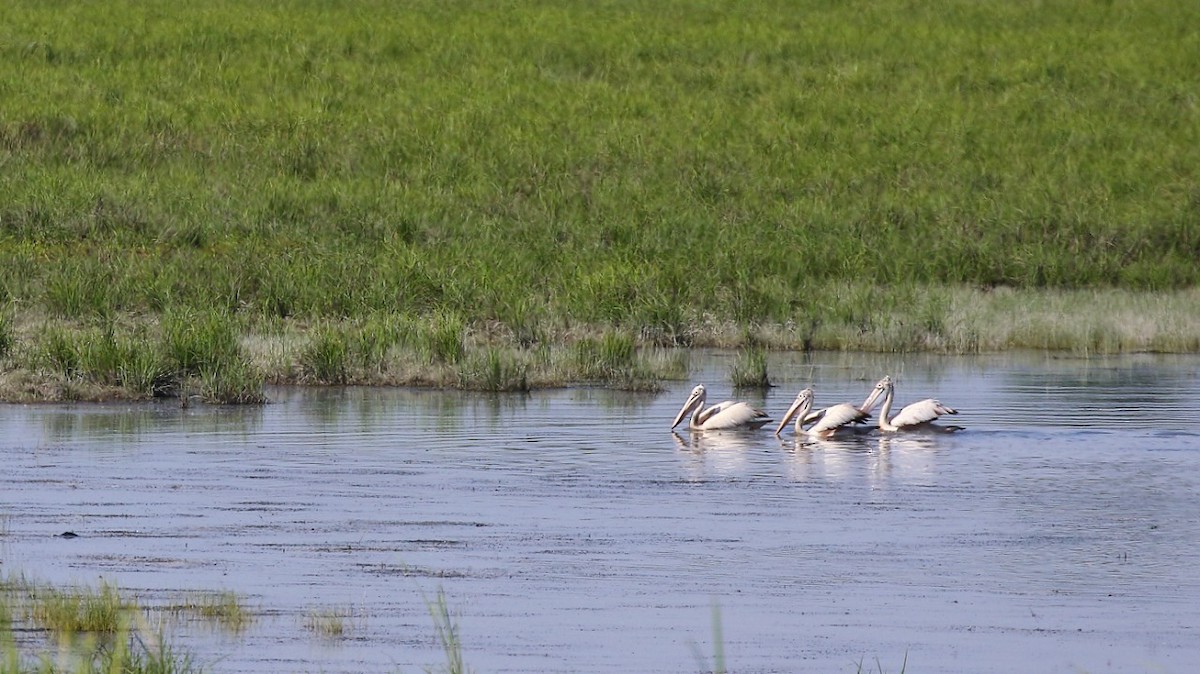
x,y
694,402
881,389
801,406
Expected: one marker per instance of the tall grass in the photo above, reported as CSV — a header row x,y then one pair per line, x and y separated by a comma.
x,y
750,370
546,171
447,631
74,610
326,358
613,359
494,369
7,336
97,631
140,363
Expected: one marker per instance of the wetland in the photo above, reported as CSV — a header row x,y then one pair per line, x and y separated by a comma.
x,y
570,530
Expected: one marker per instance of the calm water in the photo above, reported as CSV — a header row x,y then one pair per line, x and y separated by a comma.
x,y
573,532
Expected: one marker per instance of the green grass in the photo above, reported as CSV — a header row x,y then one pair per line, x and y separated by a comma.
x,y
446,629
496,370
750,370
76,610
95,631
833,176
138,361
326,358
7,336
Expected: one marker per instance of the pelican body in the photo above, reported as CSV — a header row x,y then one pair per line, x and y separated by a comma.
x,y
828,422
728,415
918,416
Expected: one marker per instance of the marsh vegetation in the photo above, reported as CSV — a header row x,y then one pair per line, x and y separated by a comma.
x,y
101,630
79,629
423,195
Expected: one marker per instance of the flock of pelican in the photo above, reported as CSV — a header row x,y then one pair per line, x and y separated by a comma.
x,y
826,423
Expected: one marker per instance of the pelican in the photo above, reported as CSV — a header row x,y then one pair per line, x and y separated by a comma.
x,y
829,421
918,416
729,415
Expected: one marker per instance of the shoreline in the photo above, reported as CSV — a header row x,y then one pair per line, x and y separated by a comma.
x,y
228,358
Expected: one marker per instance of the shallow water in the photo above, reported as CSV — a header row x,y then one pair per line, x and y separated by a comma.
x,y
572,532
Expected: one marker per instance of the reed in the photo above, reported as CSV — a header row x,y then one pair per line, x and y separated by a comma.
x,y
602,359
718,659
81,291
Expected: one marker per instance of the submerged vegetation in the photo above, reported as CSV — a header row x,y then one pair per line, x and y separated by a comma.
x,y
329,623
95,631
502,197
226,610
83,630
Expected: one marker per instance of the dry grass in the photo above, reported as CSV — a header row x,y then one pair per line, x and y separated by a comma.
x,y
332,623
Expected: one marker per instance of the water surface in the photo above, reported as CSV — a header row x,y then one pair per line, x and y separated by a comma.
x,y
571,531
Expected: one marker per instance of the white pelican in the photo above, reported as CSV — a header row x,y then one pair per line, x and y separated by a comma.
x,y
729,415
829,421
918,416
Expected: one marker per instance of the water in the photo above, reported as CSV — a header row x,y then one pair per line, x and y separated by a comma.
x,y
572,532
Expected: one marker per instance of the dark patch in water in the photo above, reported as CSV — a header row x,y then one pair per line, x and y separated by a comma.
x,y
410,571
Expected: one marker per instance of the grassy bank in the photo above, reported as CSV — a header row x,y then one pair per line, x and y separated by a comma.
x,y
224,358
957,176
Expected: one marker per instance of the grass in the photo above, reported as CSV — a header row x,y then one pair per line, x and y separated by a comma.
x,y
7,340
97,631
879,667
750,370
719,665
326,358
131,360
100,632
612,358
330,624
226,609
447,631
495,370
409,185
79,610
